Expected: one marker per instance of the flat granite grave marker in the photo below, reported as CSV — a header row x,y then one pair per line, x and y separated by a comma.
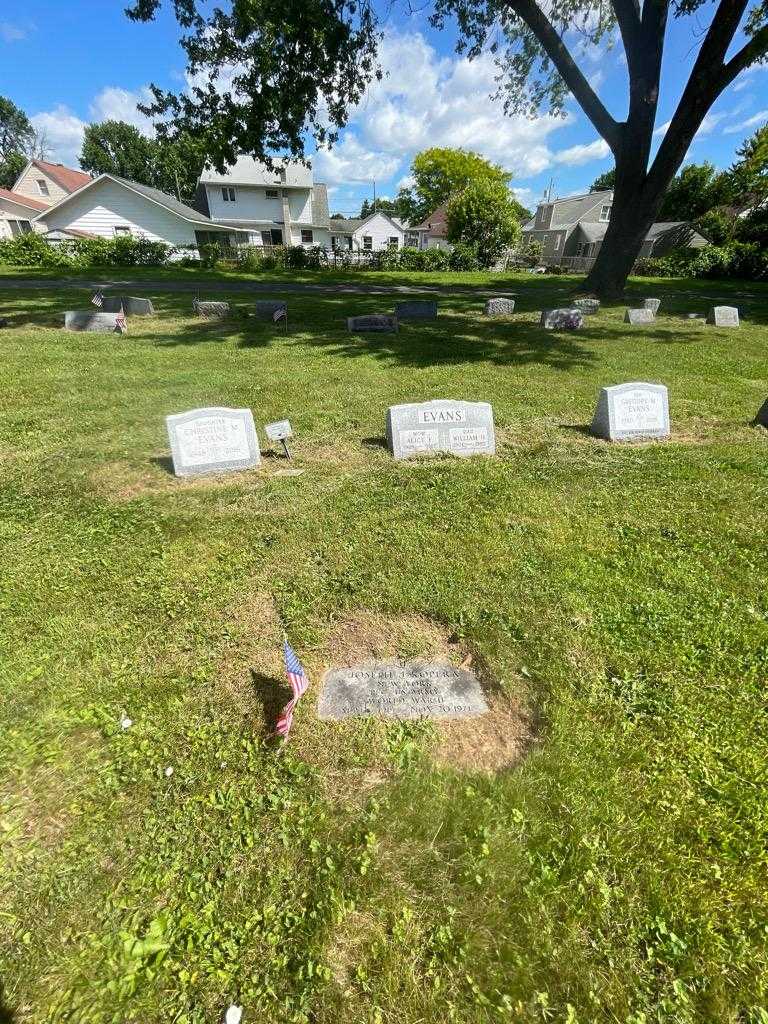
x,y
443,425
587,306
762,415
211,310
499,306
91,320
652,304
416,309
639,316
266,308
131,305
627,412
567,319
372,322
723,316
402,690
214,440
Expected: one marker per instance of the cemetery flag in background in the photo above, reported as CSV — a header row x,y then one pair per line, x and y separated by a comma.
x,y
278,315
120,323
297,677
98,298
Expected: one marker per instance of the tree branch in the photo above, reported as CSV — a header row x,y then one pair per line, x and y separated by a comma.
x,y
628,16
757,47
558,53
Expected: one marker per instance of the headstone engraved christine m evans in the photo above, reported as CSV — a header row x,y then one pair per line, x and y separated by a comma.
x,y
401,690
214,440
91,320
639,316
372,322
723,316
131,305
416,309
652,304
628,412
569,319
211,310
443,425
500,306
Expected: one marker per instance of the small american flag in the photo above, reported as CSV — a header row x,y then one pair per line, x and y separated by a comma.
x,y
297,677
98,298
120,323
280,314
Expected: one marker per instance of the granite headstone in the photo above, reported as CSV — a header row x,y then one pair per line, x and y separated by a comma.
x,y
131,305
723,316
416,309
652,304
587,306
266,308
401,690
90,320
443,425
499,306
567,319
372,322
627,412
211,310
213,440
639,316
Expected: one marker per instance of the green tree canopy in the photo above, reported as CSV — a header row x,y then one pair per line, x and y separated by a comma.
x,y
484,215
10,169
748,176
604,181
693,192
440,172
17,141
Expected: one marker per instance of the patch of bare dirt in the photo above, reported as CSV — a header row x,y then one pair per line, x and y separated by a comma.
x,y
373,636
488,743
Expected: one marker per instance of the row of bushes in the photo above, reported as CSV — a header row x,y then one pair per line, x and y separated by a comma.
x,y
744,260
254,258
32,250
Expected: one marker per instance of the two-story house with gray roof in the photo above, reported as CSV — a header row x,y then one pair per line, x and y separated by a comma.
x,y
572,230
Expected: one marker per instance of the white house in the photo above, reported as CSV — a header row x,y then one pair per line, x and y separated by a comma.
x,y
285,206
372,234
108,207
17,213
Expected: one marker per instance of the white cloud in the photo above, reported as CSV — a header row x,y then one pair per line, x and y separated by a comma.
x,y
428,100
115,104
63,131
708,125
745,79
756,121
575,156
11,33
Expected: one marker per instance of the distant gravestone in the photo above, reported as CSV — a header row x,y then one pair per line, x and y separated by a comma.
x,y
762,415
693,316
723,316
500,306
639,316
587,306
266,308
211,310
131,305
410,690
628,412
652,304
443,425
90,320
372,322
416,309
213,440
569,319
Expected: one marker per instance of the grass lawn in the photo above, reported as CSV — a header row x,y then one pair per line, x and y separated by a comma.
x,y
614,866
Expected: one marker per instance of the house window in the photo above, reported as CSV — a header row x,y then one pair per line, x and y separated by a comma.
x,y
605,212
367,242
412,239
307,238
228,195
42,187
392,242
122,229
19,227
558,240
271,193
272,237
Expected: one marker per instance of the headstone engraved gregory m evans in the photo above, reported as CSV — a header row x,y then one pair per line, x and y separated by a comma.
x,y
639,316
570,319
723,316
372,322
500,306
416,309
443,425
409,690
90,320
213,440
630,412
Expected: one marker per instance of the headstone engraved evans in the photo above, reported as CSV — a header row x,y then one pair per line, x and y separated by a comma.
x,y
443,425
131,305
762,415
213,441
723,316
90,320
629,411
500,306
569,319
652,304
639,316
211,310
410,690
416,310
372,322
266,308
587,306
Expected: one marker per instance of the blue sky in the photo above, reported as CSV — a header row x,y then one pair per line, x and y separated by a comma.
x,y
70,63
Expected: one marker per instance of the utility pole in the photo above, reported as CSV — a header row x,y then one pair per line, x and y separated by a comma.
x,y
374,197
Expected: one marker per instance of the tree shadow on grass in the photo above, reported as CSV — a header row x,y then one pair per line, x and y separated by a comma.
x,y
7,1016
272,694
